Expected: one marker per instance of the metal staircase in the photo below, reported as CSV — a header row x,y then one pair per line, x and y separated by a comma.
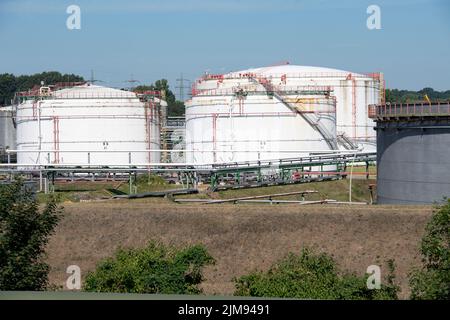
x,y
312,119
346,142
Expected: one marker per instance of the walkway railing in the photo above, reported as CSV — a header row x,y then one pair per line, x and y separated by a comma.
x,y
420,109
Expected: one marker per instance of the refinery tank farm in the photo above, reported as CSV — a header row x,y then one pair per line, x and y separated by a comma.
x,y
255,127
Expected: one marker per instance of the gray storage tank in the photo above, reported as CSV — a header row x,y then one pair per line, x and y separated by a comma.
x,y
413,152
7,129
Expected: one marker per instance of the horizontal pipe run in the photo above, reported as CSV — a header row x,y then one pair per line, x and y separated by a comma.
x,y
188,151
132,166
112,165
302,193
261,163
104,170
250,201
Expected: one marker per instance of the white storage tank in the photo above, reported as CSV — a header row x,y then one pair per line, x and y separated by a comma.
x,y
283,107
84,120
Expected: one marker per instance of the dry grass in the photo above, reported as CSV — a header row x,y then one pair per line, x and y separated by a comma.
x,y
241,237
337,190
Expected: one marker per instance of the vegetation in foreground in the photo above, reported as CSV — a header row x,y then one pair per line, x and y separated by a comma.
x,y
433,280
153,269
311,275
24,233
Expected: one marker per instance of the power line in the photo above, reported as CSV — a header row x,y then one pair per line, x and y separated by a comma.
x,y
132,81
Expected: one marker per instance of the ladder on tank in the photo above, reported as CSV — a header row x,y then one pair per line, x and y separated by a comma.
x,y
312,119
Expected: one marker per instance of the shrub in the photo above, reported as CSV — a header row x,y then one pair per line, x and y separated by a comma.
x,y
310,276
24,233
146,179
153,269
432,281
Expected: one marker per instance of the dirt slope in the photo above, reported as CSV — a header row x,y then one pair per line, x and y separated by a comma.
x,y
241,237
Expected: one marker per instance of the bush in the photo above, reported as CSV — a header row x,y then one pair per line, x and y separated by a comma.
x,y
310,276
146,179
153,269
432,281
24,233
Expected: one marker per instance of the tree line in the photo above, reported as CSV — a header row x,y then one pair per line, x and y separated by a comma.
x,y
10,84
408,96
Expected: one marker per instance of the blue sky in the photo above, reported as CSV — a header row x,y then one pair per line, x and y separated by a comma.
x,y
163,38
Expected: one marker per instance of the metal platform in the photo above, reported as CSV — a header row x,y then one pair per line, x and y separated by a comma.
x,y
285,171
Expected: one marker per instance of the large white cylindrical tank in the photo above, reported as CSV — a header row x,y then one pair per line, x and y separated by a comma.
x,y
219,119
260,127
220,132
256,109
88,120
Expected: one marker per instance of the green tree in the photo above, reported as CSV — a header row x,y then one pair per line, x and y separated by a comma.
x,y
432,281
8,85
24,233
175,107
153,269
407,96
311,276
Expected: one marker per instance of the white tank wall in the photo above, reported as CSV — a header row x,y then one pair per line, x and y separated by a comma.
x,y
262,124
88,124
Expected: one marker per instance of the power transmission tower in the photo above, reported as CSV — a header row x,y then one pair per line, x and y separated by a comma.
x,y
132,81
92,80
181,86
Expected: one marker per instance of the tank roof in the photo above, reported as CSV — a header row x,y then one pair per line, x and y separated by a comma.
x,y
293,69
93,90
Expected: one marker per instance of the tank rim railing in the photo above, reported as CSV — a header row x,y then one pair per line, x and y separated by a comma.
x,y
245,75
55,92
70,84
317,90
414,109
60,96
